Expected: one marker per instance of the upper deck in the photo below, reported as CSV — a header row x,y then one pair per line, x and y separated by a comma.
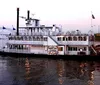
x,y
37,34
82,39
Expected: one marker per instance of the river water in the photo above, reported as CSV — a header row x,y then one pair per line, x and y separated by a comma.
x,y
39,71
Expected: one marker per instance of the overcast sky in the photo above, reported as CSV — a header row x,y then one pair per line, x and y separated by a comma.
x,y
71,14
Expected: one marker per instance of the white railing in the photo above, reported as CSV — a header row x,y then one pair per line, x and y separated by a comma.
x,y
25,42
17,51
25,51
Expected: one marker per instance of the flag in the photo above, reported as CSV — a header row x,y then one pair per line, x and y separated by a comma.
x,y
14,28
3,27
93,16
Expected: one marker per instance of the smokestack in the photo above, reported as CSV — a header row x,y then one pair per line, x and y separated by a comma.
x,y
17,21
28,14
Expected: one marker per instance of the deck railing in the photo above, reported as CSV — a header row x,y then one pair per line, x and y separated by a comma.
x,y
25,51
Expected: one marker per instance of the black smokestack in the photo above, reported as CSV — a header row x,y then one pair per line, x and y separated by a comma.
x,y
28,14
17,21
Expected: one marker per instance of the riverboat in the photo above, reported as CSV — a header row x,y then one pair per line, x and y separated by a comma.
x,y
35,38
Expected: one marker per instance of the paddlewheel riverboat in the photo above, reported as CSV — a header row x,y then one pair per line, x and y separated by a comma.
x,y
49,40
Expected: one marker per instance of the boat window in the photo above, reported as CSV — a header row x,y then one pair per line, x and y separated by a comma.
x,y
45,38
41,38
75,38
69,38
84,48
74,48
60,48
66,38
80,38
84,38
37,38
63,38
33,38
59,38
70,48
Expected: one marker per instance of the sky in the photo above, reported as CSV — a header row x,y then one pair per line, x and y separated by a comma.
x,y
68,14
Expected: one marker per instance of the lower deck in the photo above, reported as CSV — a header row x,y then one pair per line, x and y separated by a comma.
x,y
49,50
68,57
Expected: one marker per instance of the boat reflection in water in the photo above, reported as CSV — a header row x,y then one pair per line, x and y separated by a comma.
x,y
37,71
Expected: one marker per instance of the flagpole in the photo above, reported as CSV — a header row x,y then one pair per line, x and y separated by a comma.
x,y
92,17
92,25
12,26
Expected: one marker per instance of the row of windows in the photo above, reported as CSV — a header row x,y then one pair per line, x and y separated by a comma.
x,y
76,49
59,48
14,46
72,49
18,46
72,38
28,38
